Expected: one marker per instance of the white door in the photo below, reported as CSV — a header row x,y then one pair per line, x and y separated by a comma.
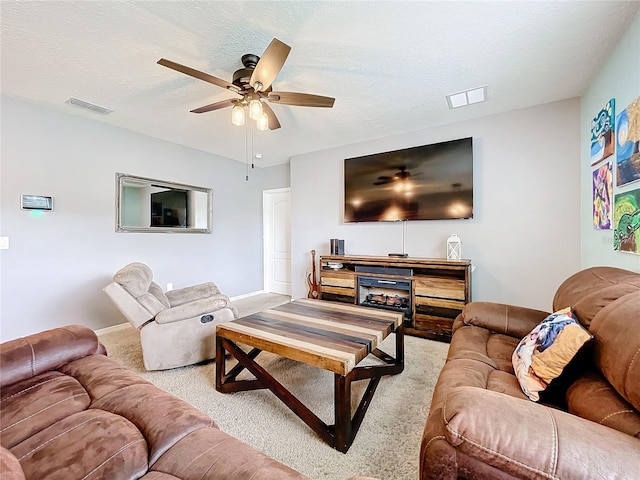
x,y
277,240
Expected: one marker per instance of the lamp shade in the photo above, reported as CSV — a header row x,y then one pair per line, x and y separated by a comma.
x,y
263,122
237,116
255,109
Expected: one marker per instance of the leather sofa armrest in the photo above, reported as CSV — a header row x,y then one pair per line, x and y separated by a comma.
x,y
10,466
32,355
527,439
180,296
501,318
193,308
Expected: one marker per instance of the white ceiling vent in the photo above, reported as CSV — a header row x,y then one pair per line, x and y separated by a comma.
x,y
88,106
467,97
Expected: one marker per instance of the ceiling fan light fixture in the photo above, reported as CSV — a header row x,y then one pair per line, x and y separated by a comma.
x,y
262,123
237,115
255,109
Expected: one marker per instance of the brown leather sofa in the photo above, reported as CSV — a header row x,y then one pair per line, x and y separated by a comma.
x,y
70,413
482,426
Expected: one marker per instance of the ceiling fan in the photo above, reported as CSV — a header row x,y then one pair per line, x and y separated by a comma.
x,y
253,83
403,174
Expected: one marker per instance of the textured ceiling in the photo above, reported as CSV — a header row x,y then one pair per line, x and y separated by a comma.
x,y
388,64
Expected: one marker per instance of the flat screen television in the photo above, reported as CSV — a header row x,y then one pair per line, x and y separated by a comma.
x,y
429,182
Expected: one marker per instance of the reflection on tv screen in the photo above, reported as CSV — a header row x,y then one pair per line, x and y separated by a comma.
x,y
429,182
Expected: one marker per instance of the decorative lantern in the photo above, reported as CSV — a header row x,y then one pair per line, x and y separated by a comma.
x,y
454,247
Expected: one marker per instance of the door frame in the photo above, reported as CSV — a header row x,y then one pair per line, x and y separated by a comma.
x,y
266,228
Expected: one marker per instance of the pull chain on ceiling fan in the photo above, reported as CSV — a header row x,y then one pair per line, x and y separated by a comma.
x,y
252,85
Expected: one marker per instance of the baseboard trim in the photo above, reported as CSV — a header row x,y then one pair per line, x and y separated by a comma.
x,y
246,295
113,328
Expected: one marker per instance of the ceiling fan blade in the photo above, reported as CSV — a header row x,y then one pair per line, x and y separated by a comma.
x,y
383,180
198,74
274,124
215,106
269,65
301,99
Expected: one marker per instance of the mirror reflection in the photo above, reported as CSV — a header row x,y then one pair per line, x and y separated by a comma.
x,y
148,205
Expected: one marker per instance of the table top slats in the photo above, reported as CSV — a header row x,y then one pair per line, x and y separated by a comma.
x,y
324,334
345,314
310,332
327,324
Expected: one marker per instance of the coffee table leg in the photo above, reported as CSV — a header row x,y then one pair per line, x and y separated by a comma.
x,y
220,364
400,347
342,400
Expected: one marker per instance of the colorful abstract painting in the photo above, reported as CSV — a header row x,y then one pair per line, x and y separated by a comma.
x,y
603,197
628,140
602,133
626,222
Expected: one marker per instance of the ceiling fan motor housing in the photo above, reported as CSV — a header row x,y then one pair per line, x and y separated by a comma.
x,y
241,77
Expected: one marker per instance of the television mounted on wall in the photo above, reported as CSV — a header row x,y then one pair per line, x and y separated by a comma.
x,y
428,182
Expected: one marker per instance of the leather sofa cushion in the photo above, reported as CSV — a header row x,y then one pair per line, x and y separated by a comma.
x,y
32,405
591,289
88,444
215,455
23,358
477,343
528,440
616,329
162,418
510,320
592,397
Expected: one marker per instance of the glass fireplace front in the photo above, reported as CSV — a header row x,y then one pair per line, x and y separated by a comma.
x,y
385,294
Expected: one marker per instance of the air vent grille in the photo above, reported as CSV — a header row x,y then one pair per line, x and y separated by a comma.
x,y
88,106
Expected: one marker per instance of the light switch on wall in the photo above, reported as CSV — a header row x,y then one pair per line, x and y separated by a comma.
x,y
4,243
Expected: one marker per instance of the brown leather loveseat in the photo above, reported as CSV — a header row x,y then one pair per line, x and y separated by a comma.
x,y
482,426
70,413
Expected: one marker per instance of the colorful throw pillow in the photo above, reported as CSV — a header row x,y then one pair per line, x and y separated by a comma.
x,y
541,356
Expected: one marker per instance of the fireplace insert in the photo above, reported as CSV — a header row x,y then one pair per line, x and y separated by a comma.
x,y
386,294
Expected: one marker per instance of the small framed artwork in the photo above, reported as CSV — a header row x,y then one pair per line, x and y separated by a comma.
x,y
602,133
36,202
628,142
626,222
602,196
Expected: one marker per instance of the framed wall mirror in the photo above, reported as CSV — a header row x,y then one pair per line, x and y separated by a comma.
x,y
149,205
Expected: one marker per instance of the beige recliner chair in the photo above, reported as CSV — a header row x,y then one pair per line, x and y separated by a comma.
x,y
178,327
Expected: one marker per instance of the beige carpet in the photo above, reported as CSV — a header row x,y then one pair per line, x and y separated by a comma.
x,y
387,444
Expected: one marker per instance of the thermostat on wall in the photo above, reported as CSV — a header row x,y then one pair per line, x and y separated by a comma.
x,y
36,202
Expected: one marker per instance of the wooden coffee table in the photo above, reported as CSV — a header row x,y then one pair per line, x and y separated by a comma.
x,y
328,335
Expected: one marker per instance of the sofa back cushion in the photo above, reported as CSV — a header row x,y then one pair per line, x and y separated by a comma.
x,y
589,290
27,357
135,278
616,330
155,301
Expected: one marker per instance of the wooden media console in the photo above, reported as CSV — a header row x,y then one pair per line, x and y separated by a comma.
x,y
430,292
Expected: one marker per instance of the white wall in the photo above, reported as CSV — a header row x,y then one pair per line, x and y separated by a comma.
x,y
619,78
58,262
524,239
